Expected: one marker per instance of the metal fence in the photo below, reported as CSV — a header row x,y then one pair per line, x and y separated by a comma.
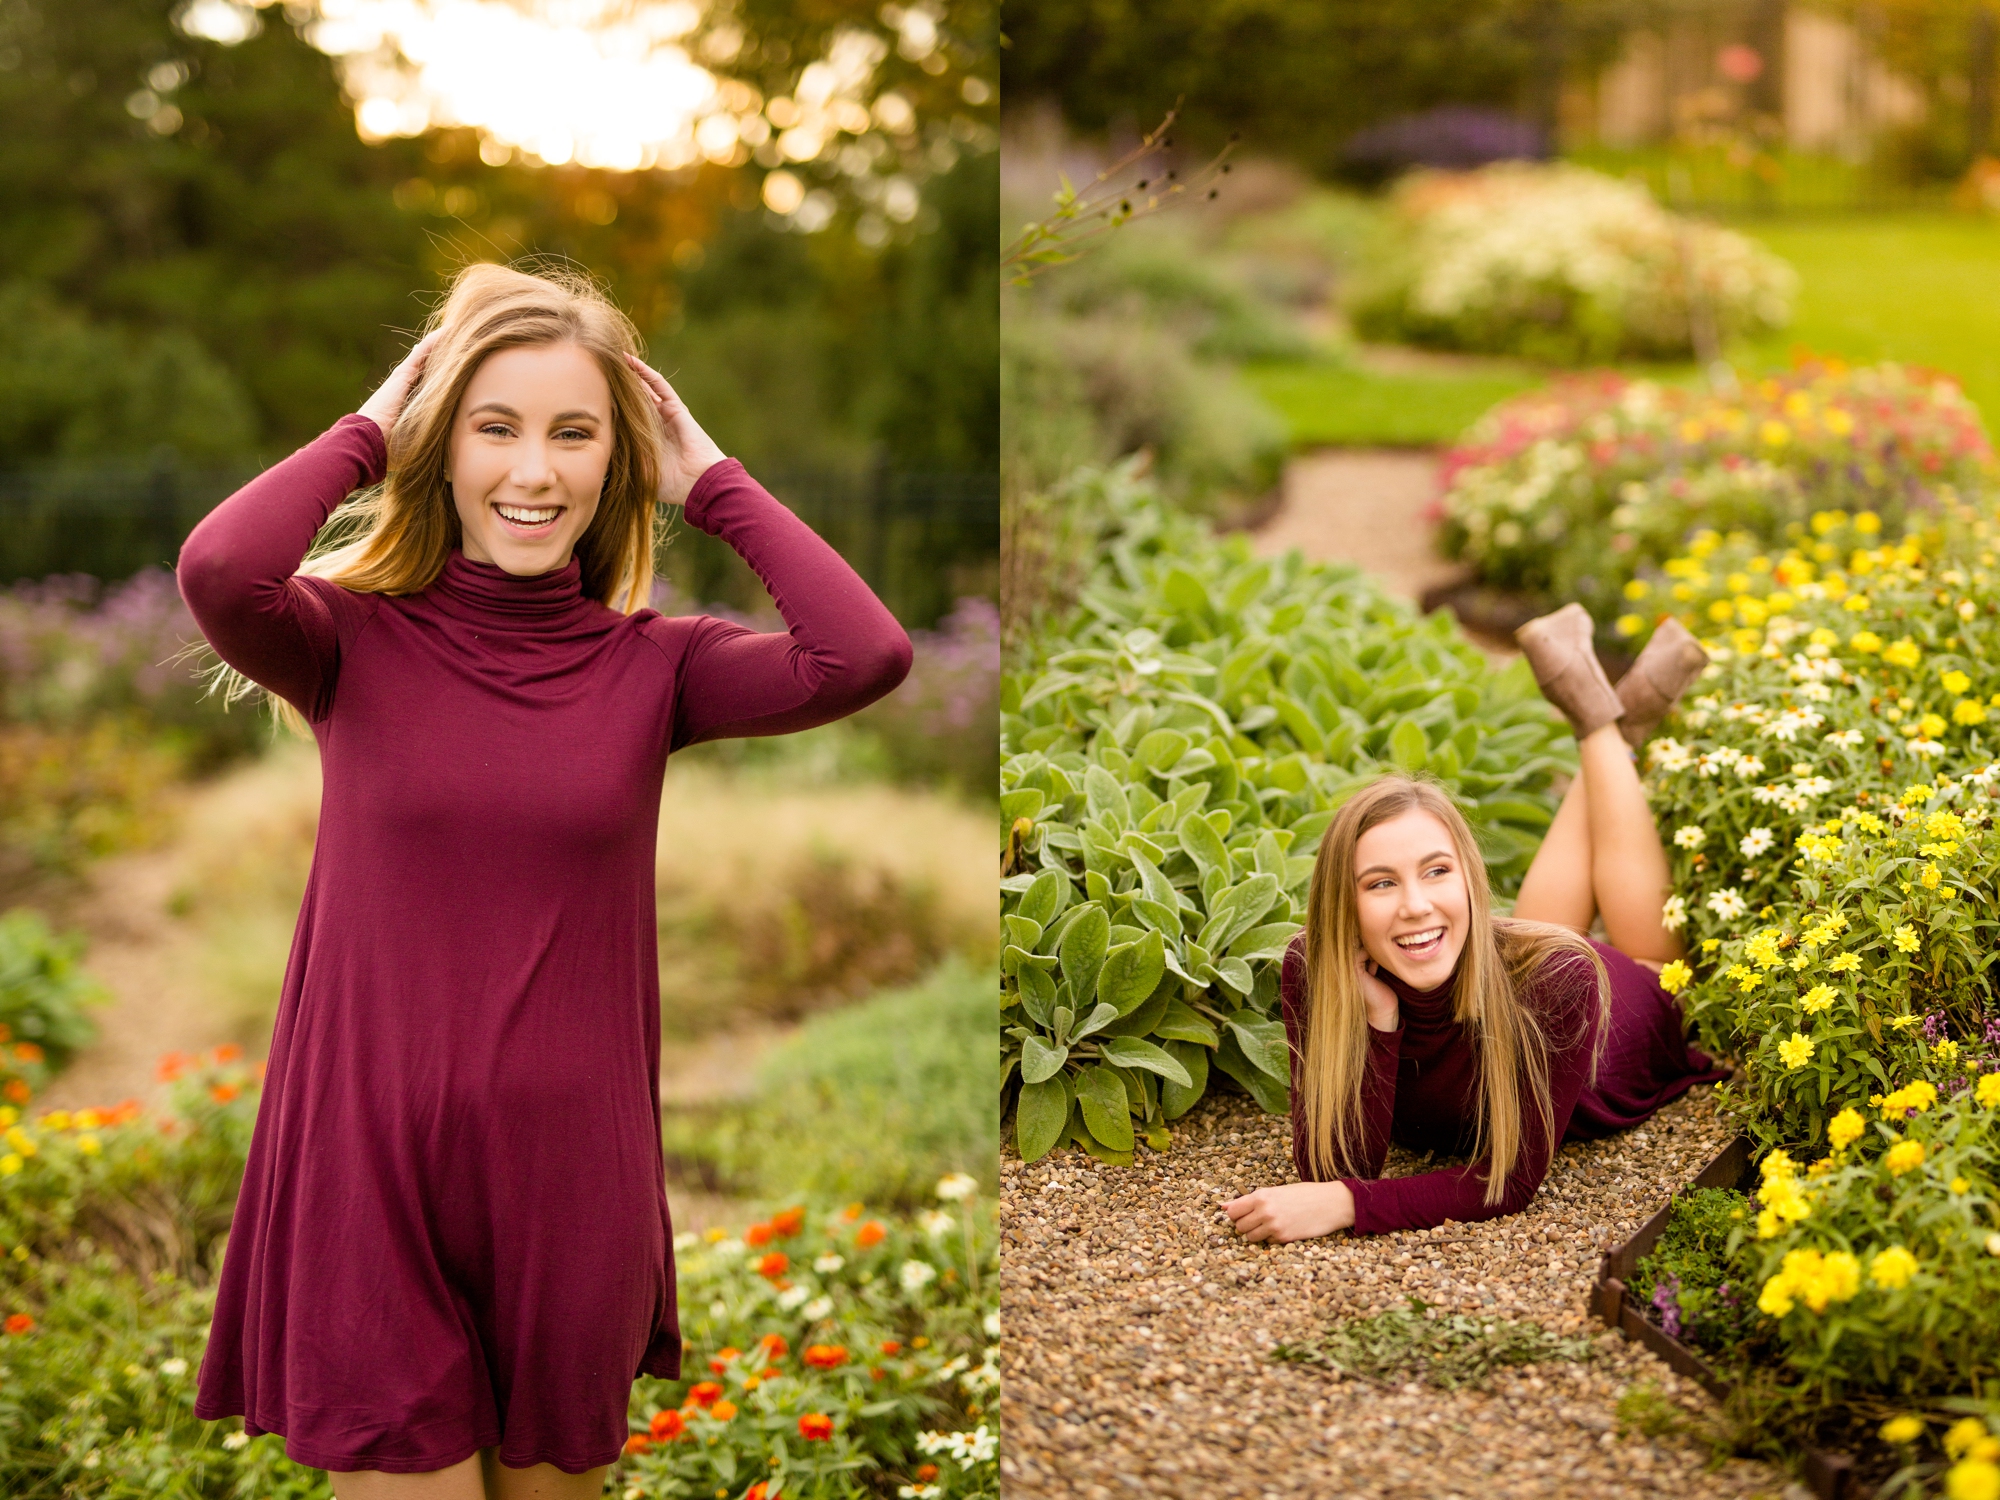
x,y
919,539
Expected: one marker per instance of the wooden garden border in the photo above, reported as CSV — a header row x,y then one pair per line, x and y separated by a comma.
x,y
1830,1476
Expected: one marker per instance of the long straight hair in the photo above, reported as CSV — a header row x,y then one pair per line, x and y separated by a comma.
x,y
1499,958
396,537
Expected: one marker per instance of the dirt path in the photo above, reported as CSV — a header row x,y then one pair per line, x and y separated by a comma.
x,y
1140,1328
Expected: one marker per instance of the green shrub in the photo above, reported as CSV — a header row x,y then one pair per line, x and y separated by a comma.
x,y
876,1101
1172,753
1576,491
42,998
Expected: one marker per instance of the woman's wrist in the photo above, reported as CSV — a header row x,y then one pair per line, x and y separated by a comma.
x,y
1385,1017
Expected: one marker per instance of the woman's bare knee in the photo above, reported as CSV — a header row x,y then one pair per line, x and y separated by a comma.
x,y
459,1482
539,1481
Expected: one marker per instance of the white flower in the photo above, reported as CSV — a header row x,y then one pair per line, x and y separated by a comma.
x,y
685,1240
1816,692
1792,801
1688,836
1727,905
792,1296
1749,767
729,1248
826,1265
1926,747
915,1275
818,1308
175,1366
1985,775
956,1185
986,1377
718,1309
1673,915
909,1491
1756,841
1811,786
236,1440
992,1324
1770,791
1847,739
1668,754
935,1223
92,1459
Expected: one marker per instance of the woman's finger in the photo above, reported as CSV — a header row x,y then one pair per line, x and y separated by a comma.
x,y
655,381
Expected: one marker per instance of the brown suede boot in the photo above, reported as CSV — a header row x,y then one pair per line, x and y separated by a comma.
x,y
1672,659
1567,670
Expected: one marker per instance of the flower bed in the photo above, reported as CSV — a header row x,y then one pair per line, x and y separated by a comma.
x,y
830,1352
1171,754
1563,264
1585,490
1829,793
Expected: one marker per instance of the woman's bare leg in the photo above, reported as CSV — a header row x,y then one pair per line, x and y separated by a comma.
x,y
1558,886
1628,865
539,1481
462,1481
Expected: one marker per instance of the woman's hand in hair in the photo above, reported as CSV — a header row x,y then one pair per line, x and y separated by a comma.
x,y
1293,1211
1385,1012
689,450
386,404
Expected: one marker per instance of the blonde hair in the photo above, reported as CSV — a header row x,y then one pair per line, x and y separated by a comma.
x,y
396,537
1500,955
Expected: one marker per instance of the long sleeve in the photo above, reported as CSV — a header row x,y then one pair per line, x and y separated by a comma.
x,y
1378,1090
1428,1199
842,649
236,568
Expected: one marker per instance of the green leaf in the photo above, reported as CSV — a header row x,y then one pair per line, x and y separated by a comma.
x,y
1100,1016
1105,798
1409,747
1160,749
1236,974
1039,1118
1130,971
1263,1042
1038,993
1184,593
1022,932
1131,1052
1202,843
1043,900
1266,944
1025,803
1274,1097
1182,1022
1084,941
1039,1060
1176,1101
1107,1110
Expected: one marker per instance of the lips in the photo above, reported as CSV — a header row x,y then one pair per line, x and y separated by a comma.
x,y
1425,943
529,521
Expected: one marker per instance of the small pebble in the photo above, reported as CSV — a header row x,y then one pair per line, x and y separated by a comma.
x,y
1139,1328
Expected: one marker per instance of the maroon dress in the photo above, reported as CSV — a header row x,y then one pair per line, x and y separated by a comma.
x,y
453,1230
1419,1088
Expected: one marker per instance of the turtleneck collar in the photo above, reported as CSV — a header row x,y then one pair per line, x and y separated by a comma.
x,y
1431,1004
492,590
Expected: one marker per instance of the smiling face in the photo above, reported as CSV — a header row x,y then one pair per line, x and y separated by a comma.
x,y
1411,898
530,444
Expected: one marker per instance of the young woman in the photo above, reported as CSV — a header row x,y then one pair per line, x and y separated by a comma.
x,y
452,1253
1415,1014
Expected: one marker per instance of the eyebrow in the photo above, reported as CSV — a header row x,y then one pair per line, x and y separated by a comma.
x,y
1385,870
508,411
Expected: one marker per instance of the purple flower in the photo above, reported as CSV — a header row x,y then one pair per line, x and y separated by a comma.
x,y
1666,1302
1933,1026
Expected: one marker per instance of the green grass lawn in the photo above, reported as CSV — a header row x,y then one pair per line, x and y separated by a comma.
x,y
1922,286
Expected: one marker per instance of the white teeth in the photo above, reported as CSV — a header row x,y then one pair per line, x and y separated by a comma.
x,y
527,517
1419,939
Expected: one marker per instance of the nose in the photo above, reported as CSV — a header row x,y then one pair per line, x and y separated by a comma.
x,y
1415,902
532,470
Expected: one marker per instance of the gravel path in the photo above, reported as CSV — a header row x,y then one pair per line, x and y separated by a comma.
x,y
1139,1325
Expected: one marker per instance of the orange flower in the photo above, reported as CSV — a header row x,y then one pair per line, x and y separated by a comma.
x,y
758,1235
17,1089
871,1233
851,1212
876,1372
638,1442
774,1346
825,1356
722,1358
6,1032
172,1065
257,1068
722,1411
27,1052
667,1425
703,1393
773,1265
222,1093
228,1052
815,1426
790,1222
757,1491
892,1346
926,1473
19,1323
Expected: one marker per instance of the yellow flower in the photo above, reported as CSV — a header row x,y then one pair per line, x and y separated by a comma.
x,y
1763,948
1903,653
1845,1128
1904,1156
1905,937
1775,1300
1638,588
21,1141
1796,1052
1931,725
1900,1430
1892,1269
1960,1437
1944,824
1845,963
1774,434
1931,876
1675,976
1955,682
1865,641
1968,711
1960,1186
1920,792
89,1145
1720,611
1838,422
1972,1479
1856,603
1920,1096
1945,1051
56,1119
1817,999
1987,1091
1867,522
1709,945
9,1164
1630,624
